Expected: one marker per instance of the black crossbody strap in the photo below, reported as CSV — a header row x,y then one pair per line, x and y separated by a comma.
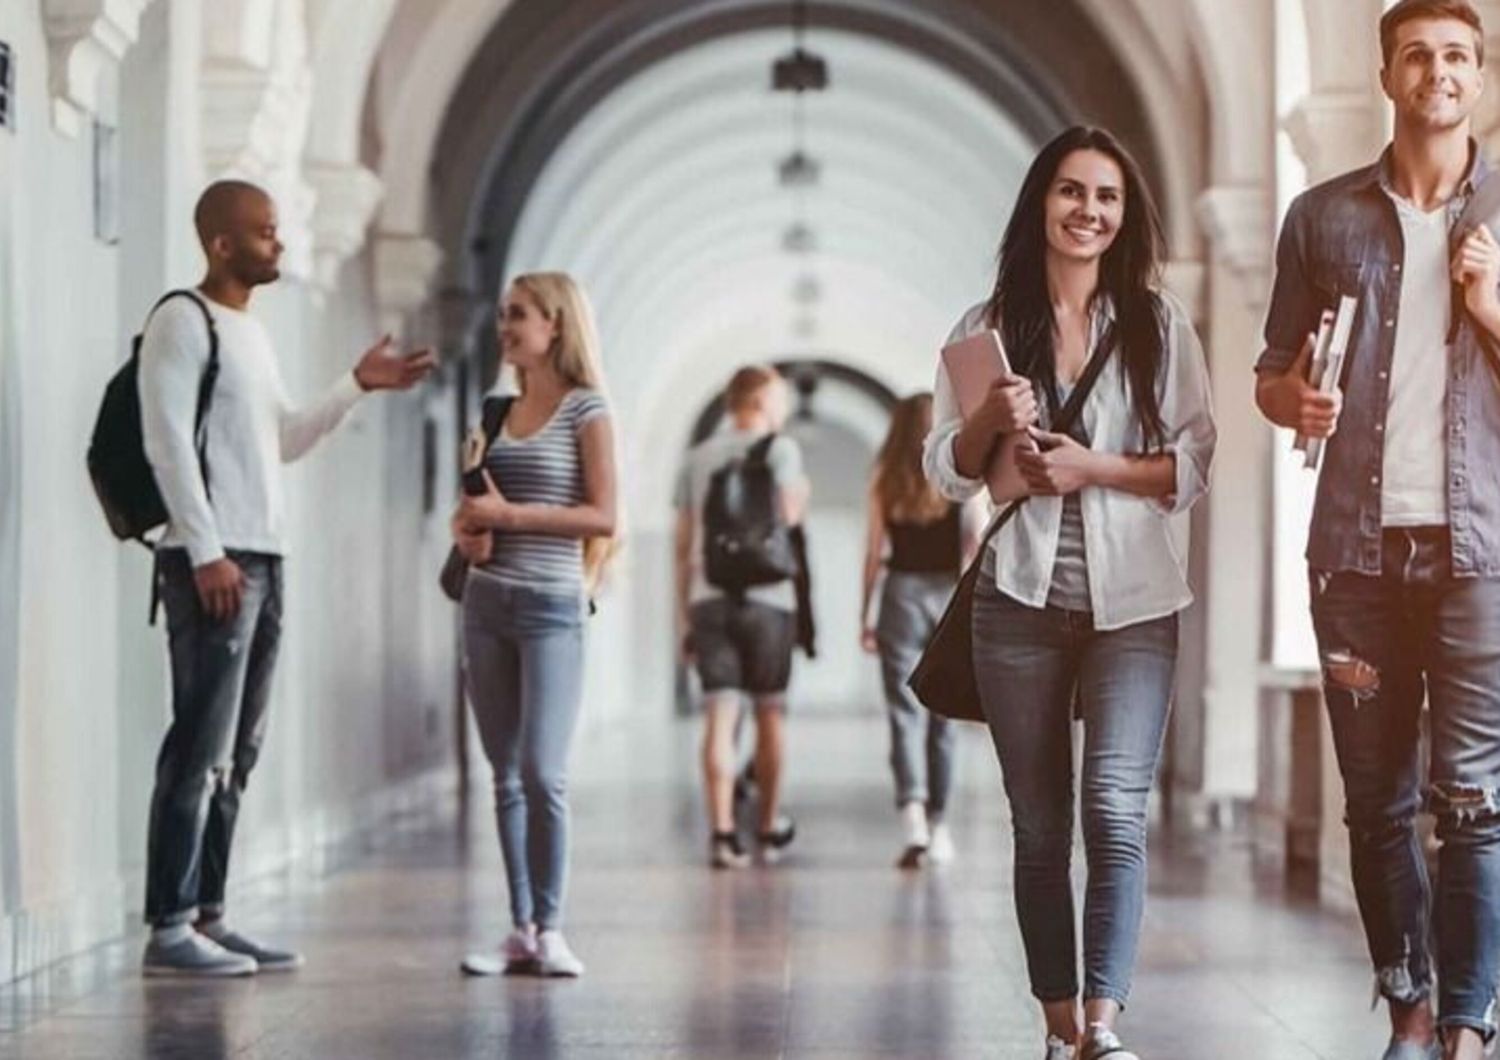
x,y
492,417
1071,410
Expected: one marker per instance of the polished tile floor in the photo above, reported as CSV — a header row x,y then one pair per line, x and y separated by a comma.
x,y
834,954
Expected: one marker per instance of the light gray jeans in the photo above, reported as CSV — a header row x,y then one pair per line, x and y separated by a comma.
x,y
523,652
921,742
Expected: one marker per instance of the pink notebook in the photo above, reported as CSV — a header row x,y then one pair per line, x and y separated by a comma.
x,y
973,365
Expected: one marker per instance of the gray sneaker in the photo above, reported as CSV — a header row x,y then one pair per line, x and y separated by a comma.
x,y
268,959
1100,1042
1057,1049
1401,1049
195,955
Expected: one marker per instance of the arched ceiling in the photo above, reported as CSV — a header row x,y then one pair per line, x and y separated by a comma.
x,y
664,202
1045,63
634,144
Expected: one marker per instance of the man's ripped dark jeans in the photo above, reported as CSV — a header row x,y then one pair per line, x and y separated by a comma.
x,y
1388,643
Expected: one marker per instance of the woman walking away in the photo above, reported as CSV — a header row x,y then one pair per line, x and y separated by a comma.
x,y
538,540
916,537
1077,609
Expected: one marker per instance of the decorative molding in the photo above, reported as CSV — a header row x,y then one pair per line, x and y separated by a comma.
x,y
1237,220
1334,131
253,116
405,266
347,197
85,38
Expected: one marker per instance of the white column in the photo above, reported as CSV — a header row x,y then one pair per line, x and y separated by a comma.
x,y
1237,220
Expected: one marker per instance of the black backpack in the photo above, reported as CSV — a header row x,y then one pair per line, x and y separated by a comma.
x,y
745,541
117,461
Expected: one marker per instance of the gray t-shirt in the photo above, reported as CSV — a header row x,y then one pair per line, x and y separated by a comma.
x,y
1070,571
1070,568
785,460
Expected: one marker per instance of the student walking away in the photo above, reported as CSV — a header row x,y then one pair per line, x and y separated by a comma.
x,y
918,539
739,494
219,565
1077,606
1403,551
539,540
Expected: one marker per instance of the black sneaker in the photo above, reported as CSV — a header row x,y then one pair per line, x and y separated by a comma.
x,y
773,844
726,852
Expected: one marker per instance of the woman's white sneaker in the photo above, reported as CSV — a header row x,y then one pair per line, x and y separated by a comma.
x,y
554,958
940,850
1057,1049
517,954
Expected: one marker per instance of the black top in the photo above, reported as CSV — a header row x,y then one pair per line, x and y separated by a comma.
x,y
926,548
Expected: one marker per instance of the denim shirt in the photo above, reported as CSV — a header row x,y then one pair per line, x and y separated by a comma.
x,y
1136,571
1344,237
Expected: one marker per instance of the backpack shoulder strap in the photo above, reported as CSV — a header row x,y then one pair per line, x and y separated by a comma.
x,y
760,452
211,369
211,372
492,416
208,317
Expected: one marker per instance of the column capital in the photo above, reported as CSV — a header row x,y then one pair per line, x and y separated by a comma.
x,y
346,198
405,266
1334,131
1237,220
85,38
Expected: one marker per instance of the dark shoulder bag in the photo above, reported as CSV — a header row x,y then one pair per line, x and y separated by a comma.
x,y
456,569
944,678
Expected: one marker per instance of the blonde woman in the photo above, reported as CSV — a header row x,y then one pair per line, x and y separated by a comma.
x,y
537,541
918,538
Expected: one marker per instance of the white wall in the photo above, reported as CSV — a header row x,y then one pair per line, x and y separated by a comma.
x,y
362,715
61,721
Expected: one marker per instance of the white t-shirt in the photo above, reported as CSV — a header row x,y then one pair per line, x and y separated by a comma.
x,y
1416,457
785,461
251,429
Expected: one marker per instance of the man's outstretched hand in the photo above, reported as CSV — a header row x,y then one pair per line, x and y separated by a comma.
x,y
382,368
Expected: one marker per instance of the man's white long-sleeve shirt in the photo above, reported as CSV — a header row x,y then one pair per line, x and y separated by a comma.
x,y
251,429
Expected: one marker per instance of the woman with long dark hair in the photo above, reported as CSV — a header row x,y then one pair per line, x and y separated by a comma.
x,y
1077,609
917,539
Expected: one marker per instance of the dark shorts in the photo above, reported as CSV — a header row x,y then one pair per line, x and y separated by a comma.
x,y
745,647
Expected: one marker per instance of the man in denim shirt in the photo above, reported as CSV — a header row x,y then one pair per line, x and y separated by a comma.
x,y
1404,549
